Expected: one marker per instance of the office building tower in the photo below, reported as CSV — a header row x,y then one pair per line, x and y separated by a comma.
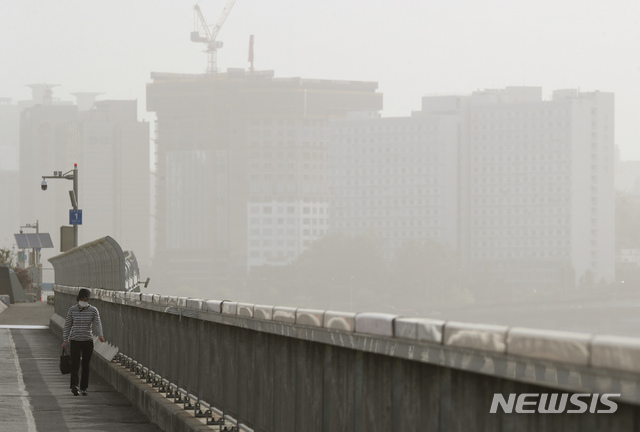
x,y
241,168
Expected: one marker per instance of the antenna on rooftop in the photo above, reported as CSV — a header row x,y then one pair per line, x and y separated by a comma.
x,y
251,54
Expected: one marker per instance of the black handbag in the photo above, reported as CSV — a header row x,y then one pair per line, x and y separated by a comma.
x,y
65,362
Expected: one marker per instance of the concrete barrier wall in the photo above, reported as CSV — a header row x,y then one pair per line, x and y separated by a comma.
x,y
271,368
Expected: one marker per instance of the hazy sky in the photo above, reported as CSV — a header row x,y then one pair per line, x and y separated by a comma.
x,y
411,47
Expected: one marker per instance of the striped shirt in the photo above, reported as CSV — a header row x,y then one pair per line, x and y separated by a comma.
x,y
78,324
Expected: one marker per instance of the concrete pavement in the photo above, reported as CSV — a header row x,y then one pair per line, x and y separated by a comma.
x,y
30,314
35,396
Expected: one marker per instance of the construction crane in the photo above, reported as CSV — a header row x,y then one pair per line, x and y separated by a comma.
x,y
203,34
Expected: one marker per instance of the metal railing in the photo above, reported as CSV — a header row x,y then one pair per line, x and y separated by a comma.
x,y
98,264
131,271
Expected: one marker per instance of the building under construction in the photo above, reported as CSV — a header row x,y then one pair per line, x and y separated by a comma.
x,y
242,168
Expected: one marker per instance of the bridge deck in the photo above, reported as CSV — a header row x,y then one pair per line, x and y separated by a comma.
x,y
34,396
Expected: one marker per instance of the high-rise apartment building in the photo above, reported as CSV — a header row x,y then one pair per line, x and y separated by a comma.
x,y
396,179
10,203
517,184
241,168
111,148
628,177
9,136
9,177
42,153
539,184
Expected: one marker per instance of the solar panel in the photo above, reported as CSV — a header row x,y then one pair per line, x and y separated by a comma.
x,y
21,240
45,240
37,240
34,240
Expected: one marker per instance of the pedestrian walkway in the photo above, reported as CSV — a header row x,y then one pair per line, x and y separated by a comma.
x,y
35,396
26,314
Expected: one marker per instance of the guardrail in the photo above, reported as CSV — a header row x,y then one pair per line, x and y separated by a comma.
x,y
280,368
98,264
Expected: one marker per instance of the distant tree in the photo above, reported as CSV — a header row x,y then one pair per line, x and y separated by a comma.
x,y
342,258
6,256
267,284
426,273
602,285
24,277
566,277
628,274
587,281
333,271
486,284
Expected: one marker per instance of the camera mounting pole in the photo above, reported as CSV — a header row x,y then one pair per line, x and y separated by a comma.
x,y
73,194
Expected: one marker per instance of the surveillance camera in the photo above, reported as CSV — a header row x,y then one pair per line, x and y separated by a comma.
x,y
43,185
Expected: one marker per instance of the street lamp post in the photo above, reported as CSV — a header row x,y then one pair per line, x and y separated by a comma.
x,y
73,195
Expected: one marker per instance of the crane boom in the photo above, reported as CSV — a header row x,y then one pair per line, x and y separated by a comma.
x,y
203,34
223,18
195,35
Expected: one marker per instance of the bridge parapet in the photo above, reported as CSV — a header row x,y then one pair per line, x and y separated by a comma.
x,y
583,349
256,363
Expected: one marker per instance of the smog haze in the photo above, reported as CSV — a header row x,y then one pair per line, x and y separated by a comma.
x,y
455,160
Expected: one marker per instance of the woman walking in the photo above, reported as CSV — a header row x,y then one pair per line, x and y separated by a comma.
x,y
77,331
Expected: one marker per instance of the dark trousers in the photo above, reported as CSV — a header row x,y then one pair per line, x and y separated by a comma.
x,y
78,349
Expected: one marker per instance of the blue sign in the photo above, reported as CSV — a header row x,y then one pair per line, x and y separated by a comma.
x,y
75,217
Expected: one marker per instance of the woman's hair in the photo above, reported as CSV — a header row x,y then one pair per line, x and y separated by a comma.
x,y
83,294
